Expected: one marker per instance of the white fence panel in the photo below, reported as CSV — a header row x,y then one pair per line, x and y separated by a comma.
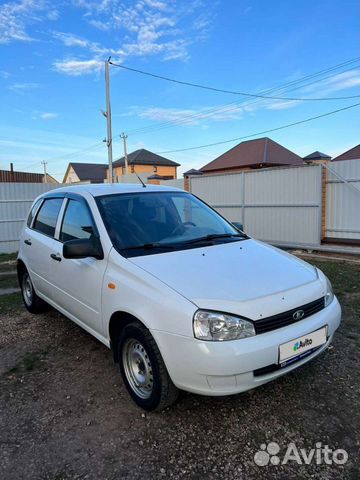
x,y
278,205
15,202
343,200
176,182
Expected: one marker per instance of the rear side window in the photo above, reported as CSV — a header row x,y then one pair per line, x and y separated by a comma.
x,y
77,222
32,212
47,217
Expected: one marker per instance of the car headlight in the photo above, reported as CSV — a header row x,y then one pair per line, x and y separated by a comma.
x,y
219,326
329,295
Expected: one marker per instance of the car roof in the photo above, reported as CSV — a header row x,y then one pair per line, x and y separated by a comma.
x,y
97,190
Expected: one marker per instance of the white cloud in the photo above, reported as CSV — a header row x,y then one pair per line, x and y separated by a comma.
x,y
15,17
76,67
149,27
4,74
341,81
23,87
188,117
70,40
48,115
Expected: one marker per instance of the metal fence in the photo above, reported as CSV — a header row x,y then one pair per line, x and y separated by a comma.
x,y
15,202
278,205
343,200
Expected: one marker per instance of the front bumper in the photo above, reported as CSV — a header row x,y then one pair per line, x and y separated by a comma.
x,y
225,368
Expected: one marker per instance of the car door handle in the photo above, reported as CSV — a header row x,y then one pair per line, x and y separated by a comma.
x,y
28,242
55,257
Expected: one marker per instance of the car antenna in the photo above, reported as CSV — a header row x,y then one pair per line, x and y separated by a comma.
x,y
143,184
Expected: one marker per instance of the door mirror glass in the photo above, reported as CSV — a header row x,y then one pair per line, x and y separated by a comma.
x,y
83,248
238,226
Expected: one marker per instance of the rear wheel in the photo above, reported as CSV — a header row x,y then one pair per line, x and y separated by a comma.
x,y
143,369
32,302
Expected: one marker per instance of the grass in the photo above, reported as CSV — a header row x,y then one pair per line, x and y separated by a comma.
x,y
29,362
6,257
10,281
9,303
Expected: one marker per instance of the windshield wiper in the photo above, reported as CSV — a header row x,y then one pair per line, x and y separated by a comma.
x,y
149,246
216,236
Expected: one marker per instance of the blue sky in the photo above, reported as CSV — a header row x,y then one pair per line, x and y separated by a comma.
x,y
52,80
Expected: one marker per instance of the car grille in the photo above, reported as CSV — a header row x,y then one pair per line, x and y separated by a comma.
x,y
286,318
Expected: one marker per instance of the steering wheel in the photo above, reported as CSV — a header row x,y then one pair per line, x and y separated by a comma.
x,y
179,228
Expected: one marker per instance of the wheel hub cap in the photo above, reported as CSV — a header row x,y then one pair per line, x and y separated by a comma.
x,y
138,368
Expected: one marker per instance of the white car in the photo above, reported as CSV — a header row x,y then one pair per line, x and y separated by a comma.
x,y
183,298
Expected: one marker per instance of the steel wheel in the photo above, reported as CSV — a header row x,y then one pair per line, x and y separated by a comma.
x,y
27,290
138,368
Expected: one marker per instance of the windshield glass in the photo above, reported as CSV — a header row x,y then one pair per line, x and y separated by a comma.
x,y
155,220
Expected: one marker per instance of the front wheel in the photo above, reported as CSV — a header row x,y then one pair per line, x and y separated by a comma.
x,y
32,302
143,369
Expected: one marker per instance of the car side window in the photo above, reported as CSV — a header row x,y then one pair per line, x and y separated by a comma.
x,y
47,216
77,222
32,212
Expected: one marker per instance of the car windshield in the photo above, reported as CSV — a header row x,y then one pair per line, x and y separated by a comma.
x,y
144,223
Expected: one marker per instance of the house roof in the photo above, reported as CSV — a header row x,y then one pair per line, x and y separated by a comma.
x,y
317,156
160,177
192,171
8,176
94,172
352,154
145,157
254,153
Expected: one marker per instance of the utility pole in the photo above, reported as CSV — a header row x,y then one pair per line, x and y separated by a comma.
x,y
108,118
124,137
45,173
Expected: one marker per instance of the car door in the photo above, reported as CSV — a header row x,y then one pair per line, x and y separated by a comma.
x,y
78,282
38,243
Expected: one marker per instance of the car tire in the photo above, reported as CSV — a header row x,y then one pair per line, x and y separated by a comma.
x,y
32,302
143,370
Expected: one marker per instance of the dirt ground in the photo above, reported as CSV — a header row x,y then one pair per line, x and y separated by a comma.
x,y
65,414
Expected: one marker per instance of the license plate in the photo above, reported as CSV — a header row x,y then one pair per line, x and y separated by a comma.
x,y
298,346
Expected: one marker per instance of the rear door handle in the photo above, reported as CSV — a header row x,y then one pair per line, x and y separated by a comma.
x,y
55,257
28,242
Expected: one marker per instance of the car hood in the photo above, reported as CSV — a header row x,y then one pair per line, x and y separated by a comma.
x,y
248,277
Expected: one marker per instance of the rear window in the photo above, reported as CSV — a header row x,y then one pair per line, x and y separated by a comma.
x,y
47,216
33,211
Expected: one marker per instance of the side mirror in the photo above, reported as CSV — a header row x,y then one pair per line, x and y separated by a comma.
x,y
83,248
238,226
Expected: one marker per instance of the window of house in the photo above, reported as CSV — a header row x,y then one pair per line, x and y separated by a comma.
x,y
77,222
47,216
132,168
155,168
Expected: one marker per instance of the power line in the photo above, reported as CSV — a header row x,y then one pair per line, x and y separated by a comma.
x,y
260,133
223,108
228,107
220,90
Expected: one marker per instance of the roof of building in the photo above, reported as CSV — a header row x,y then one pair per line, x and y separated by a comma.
x,y
8,176
93,172
352,154
98,189
254,153
192,171
160,177
145,157
317,156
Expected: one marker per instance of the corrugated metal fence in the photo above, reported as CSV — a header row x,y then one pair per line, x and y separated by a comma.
x,y
343,200
15,202
278,205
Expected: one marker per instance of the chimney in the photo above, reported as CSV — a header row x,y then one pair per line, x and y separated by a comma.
x,y
11,167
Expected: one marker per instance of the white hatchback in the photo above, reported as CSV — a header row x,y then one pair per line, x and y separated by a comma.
x,y
183,298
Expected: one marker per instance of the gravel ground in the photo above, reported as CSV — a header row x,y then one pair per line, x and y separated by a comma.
x,y
65,414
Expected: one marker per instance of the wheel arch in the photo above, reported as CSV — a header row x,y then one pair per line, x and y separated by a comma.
x,y
117,323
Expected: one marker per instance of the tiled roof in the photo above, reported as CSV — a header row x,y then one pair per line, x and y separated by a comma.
x,y
95,172
254,153
145,157
352,154
317,156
